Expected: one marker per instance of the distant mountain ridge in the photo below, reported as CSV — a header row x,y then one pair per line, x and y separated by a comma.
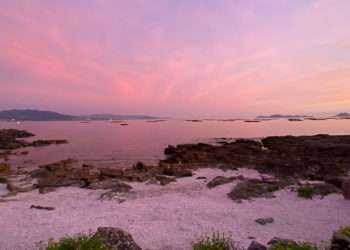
x,y
344,114
43,115
33,115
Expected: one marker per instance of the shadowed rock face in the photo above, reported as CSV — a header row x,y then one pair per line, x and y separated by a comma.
x,y
312,157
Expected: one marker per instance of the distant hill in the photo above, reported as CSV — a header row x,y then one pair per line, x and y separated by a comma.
x,y
33,115
278,116
117,117
343,115
40,115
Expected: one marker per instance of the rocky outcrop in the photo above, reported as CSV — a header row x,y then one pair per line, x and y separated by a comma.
x,y
117,238
9,140
219,180
307,157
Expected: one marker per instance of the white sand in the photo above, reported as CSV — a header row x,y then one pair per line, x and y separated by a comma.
x,y
174,215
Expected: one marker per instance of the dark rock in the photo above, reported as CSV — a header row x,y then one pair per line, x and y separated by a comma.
x,y
165,180
254,188
346,189
65,173
42,208
116,185
140,167
277,240
45,190
110,172
219,180
201,178
5,169
264,221
340,241
117,238
256,246
177,171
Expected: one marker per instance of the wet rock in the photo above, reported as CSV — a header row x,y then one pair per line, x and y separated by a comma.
x,y
254,188
5,169
165,180
346,189
256,246
42,208
117,238
219,180
264,221
340,241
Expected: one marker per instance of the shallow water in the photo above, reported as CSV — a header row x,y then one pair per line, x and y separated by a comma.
x,y
103,143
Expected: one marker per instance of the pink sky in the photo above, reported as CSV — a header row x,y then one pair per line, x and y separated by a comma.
x,y
180,58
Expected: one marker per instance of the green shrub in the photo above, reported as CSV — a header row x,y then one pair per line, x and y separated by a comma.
x,y
306,192
293,246
216,242
79,242
345,231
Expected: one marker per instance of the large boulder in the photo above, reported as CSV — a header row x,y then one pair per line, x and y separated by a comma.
x,y
341,240
254,188
117,238
219,180
346,188
256,246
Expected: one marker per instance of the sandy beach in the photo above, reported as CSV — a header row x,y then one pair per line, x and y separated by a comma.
x,y
172,216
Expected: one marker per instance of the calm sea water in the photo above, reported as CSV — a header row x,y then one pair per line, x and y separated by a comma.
x,y
103,143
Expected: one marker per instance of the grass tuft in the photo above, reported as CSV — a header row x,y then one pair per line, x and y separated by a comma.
x,y
306,192
79,242
345,231
215,242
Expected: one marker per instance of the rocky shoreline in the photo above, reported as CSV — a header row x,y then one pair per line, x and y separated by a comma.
x,y
307,166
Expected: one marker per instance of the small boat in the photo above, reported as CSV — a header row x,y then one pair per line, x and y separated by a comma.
x,y
124,124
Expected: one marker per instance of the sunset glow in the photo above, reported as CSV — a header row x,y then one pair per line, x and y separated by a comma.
x,y
178,58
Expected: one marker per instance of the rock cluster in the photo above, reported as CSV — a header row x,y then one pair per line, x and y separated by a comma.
x,y
311,157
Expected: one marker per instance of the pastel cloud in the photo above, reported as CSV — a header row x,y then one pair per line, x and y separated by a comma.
x,y
176,58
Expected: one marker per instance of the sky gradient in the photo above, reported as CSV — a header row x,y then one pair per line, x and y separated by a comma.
x,y
180,58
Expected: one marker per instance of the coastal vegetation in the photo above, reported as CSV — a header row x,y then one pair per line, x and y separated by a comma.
x,y
216,241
